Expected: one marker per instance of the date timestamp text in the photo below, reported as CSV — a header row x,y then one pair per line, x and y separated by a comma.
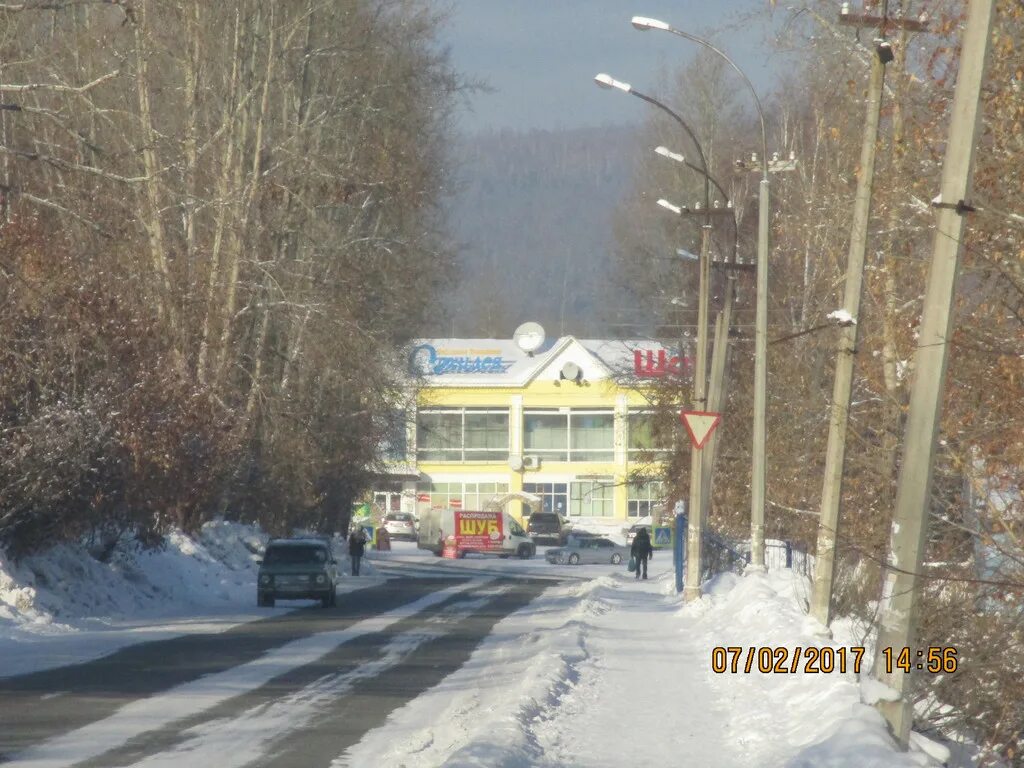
x,y
813,660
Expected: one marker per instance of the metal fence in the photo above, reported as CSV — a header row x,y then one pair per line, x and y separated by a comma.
x,y
784,554
722,554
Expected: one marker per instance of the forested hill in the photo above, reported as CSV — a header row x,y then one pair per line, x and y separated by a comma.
x,y
532,214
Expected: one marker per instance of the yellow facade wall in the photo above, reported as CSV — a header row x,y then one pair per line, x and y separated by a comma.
x,y
538,394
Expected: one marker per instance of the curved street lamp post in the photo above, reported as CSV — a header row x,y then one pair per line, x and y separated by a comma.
x,y
699,467
758,469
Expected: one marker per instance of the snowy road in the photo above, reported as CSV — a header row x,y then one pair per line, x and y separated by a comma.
x,y
461,663
295,689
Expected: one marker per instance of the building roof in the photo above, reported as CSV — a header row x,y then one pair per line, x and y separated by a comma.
x,y
501,363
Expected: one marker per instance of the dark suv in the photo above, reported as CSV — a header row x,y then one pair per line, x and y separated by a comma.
x,y
548,527
294,569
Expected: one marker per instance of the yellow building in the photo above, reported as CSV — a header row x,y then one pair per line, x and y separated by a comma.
x,y
566,420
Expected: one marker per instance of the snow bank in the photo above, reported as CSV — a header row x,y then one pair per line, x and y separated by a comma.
x,y
63,605
66,583
793,720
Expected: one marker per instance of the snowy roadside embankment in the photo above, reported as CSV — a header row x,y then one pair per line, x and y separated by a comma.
x,y
616,672
63,605
796,720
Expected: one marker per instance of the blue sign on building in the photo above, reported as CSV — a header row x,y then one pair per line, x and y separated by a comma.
x,y
424,359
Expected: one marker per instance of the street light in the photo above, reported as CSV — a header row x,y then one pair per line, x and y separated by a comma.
x,y
666,152
607,81
758,469
695,533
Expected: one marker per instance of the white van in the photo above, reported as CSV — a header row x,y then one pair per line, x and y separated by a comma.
x,y
490,532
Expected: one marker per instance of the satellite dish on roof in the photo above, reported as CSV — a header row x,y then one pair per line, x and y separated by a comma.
x,y
529,337
572,372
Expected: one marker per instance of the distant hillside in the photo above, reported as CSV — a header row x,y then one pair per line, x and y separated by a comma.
x,y
532,213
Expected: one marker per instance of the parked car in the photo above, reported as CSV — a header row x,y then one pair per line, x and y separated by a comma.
x,y
548,527
293,569
400,525
589,549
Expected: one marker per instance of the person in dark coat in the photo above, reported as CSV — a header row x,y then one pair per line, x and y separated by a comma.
x,y
356,547
642,550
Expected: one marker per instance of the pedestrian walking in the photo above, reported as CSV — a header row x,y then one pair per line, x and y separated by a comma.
x,y
642,550
356,547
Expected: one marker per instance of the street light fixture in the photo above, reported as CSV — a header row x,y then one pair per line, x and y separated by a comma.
x,y
676,209
643,24
716,205
758,469
607,81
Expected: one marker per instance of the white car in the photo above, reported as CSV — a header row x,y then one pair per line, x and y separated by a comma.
x,y
400,525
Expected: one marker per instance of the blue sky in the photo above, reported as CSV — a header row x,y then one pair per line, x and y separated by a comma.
x,y
540,56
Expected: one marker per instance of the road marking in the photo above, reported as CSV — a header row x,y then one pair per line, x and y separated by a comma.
x,y
238,741
200,695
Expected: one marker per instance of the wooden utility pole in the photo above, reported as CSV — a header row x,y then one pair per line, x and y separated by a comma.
x,y
900,586
832,489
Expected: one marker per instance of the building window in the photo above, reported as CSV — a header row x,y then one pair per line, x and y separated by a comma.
x,y
546,434
388,502
554,496
486,436
477,495
642,498
592,436
394,446
643,436
439,435
459,434
591,498
570,435
440,494
464,495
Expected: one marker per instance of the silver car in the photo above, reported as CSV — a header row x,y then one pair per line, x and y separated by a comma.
x,y
400,525
592,549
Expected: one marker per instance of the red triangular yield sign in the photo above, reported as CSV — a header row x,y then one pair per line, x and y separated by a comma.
x,y
700,425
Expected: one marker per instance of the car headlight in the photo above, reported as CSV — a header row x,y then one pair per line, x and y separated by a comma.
x,y
320,578
266,578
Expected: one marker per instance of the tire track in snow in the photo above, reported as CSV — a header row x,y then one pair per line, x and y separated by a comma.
x,y
184,701
247,736
94,690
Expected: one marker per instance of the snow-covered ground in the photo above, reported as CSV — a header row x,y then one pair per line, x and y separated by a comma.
x,y
64,606
600,670
612,671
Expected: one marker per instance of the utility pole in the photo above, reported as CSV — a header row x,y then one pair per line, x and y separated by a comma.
x,y
842,388
695,527
759,450
900,589
716,394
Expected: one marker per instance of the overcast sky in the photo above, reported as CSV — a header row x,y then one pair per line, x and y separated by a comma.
x,y
540,56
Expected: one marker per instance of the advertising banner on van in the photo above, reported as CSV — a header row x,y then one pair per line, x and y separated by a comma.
x,y
479,530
